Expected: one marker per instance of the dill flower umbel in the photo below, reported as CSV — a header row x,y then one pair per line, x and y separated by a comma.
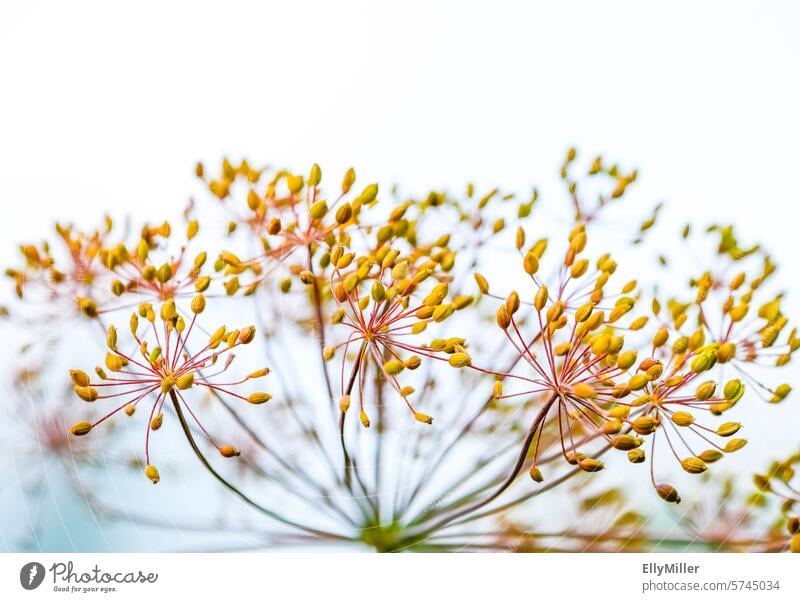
x,y
380,300
161,367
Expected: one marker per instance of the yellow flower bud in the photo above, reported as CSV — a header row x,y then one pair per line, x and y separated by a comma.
x,y
80,428
151,472
79,378
693,465
668,493
228,451
590,465
420,417
185,382
734,445
644,425
625,442
636,456
531,263
246,335
258,398
682,418
710,456
460,360
393,367
115,362
705,390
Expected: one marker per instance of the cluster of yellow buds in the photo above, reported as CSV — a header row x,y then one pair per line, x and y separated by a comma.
x,y
597,390
780,481
164,364
293,222
68,271
383,298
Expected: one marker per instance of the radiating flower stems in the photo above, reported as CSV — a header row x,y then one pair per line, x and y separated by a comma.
x,y
512,476
228,485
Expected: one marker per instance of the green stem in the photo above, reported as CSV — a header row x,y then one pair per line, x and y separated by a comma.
x,y
266,511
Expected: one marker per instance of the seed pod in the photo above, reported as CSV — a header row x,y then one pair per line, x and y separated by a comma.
x,y
579,268
79,378
503,317
536,474
344,213
462,301
794,544
512,302
638,382
318,209
520,241
420,417
590,465
164,273
710,456
436,296
625,442
393,367
497,388
228,451
703,362
185,382
315,176
660,337
169,311
151,472
364,419
727,429
246,335
636,456
540,298
115,362
344,403
460,360
274,226
413,362
198,304
734,445
644,425
738,313
726,352
626,360
202,284
584,390
258,398
668,493
682,418
693,465
705,390
368,195
780,393
530,263
79,429
734,389
157,421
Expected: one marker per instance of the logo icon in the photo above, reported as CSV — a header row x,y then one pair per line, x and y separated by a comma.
x,y
31,575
